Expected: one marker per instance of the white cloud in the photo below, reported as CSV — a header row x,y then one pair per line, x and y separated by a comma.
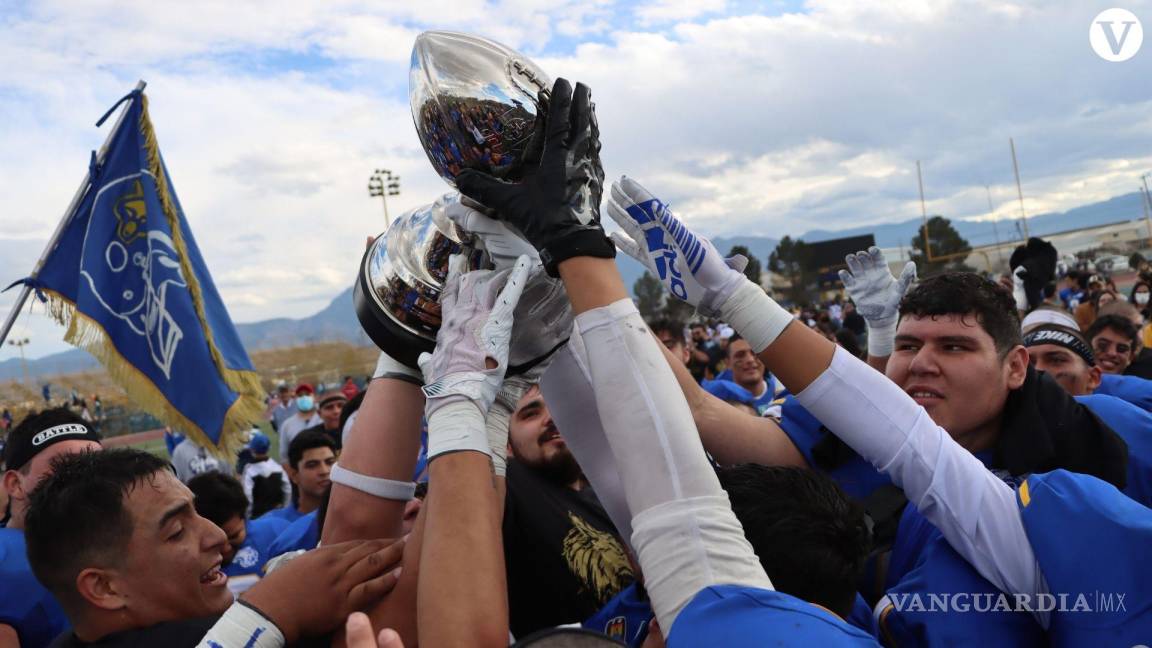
x,y
271,115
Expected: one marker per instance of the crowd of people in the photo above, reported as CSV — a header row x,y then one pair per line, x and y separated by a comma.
x,y
946,460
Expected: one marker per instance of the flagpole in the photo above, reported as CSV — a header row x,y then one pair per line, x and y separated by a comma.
x,y
26,289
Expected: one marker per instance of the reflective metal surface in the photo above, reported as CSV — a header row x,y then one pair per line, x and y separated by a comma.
x,y
397,293
474,102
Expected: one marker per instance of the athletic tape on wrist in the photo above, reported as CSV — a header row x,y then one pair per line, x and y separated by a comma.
x,y
243,625
456,426
881,339
389,489
755,315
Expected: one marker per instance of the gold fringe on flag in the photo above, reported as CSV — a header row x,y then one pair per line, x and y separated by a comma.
x,y
249,406
86,333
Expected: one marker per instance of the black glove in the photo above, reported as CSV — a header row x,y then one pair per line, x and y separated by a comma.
x,y
556,206
1039,260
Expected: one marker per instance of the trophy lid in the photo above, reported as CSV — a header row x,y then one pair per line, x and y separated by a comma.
x,y
474,103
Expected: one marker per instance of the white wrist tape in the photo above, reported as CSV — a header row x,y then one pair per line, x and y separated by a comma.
x,y
881,338
386,366
383,488
457,426
755,315
242,625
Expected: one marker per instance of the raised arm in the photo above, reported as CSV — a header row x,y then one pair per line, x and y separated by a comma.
x,y
462,590
877,295
669,485
974,510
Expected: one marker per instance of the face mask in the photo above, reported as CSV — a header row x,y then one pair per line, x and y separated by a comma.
x,y
304,403
1142,298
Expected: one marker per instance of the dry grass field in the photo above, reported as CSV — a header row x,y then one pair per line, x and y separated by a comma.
x,y
326,363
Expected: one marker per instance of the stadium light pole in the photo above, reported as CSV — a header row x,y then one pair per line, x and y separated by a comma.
x,y
383,184
20,344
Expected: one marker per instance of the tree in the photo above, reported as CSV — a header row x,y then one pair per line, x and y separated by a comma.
x,y
947,248
752,270
790,258
649,296
678,311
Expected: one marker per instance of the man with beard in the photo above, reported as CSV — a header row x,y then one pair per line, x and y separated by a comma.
x,y
564,558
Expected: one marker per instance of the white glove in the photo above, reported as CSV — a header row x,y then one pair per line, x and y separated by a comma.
x,y
1019,295
503,245
477,312
543,320
688,265
877,295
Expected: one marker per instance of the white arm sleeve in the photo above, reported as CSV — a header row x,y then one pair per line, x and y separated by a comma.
x,y
973,508
684,532
567,389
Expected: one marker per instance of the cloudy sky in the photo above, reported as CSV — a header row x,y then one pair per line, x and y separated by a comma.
x,y
765,118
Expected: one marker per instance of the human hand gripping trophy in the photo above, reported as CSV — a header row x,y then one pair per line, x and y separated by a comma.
x,y
475,104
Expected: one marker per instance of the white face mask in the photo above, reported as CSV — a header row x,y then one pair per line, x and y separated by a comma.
x,y
1142,298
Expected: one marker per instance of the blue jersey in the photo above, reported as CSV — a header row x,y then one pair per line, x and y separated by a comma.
x,y
252,555
24,603
727,390
856,476
943,601
624,618
171,440
1134,389
301,534
1134,425
734,616
1094,547
288,514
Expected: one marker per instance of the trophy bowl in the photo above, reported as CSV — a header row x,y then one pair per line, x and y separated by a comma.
x,y
397,291
474,102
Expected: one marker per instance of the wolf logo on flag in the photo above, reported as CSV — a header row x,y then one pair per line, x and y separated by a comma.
x,y
143,264
126,277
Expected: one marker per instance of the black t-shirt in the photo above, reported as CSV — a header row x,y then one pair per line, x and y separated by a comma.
x,y
563,557
186,633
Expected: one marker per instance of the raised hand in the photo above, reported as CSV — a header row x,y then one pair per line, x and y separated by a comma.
x,y
877,295
471,355
544,315
688,265
556,206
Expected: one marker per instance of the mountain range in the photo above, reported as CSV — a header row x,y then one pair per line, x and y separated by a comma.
x,y
337,321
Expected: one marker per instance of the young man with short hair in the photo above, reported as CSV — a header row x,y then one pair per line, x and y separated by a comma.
x,y
220,499
1114,342
748,384
30,615
311,456
1064,355
116,539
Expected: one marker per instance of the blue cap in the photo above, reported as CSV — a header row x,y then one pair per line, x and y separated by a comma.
x,y
258,443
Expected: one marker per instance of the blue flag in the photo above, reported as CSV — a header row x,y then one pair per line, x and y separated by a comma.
x,y
128,280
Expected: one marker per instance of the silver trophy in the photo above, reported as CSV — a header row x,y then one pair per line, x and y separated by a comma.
x,y
474,102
